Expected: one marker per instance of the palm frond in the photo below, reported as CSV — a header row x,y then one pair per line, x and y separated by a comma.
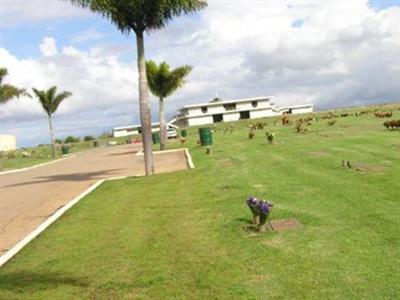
x,y
140,15
49,99
3,73
58,99
162,81
8,91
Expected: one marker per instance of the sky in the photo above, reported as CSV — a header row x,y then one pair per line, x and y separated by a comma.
x,y
332,53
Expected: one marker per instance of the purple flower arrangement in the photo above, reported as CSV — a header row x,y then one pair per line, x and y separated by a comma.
x,y
260,210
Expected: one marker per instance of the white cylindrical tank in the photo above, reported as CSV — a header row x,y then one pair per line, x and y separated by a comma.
x,y
8,142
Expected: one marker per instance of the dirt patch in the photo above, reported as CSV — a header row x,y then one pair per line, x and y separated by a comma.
x,y
330,135
275,243
225,163
251,230
317,154
274,225
365,168
284,224
397,146
258,278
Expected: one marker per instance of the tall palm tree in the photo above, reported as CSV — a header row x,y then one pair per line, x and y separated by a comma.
x,y
7,91
142,16
50,101
162,83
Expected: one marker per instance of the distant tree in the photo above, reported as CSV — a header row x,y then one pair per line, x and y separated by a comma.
x,y
163,82
140,16
88,138
71,139
58,141
50,101
105,135
7,91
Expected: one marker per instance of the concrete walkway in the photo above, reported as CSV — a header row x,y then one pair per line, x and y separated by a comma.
x,y
27,198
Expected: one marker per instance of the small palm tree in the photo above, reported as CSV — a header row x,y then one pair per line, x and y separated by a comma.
x,y
162,83
7,91
50,101
142,16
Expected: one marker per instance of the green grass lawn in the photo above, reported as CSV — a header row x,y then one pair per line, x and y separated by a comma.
x,y
181,235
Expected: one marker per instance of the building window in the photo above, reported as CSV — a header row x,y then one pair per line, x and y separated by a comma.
x,y
245,115
231,106
204,109
218,118
254,103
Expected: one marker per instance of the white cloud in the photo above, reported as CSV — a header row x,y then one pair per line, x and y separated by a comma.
x,y
19,12
88,35
343,53
99,83
48,47
332,59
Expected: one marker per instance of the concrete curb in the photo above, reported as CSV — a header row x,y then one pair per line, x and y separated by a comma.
x,y
141,153
189,159
56,215
36,166
14,250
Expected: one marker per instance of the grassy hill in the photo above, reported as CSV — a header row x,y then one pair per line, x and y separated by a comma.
x,y
186,235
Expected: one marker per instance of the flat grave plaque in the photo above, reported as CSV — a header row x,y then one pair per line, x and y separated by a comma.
x,y
284,224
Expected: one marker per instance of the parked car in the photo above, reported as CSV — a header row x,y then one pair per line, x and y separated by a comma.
x,y
171,133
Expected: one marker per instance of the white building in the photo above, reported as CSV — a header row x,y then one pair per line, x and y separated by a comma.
x,y
136,129
233,110
8,142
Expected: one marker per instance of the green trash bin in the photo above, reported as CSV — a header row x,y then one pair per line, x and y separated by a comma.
x,y
205,136
64,149
184,133
156,137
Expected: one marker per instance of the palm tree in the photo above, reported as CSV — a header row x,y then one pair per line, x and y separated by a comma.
x,y
162,83
142,16
7,91
50,101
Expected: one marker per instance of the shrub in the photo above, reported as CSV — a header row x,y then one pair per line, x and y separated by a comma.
x,y
257,126
329,115
300,124
285,120
331,122
393,124
270,137
11,154
58,141
383,114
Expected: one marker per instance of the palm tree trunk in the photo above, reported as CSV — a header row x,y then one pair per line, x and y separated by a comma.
x,y
53,143
144,104
163,127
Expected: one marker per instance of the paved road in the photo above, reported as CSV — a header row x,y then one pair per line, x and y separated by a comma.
x,y
27,198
